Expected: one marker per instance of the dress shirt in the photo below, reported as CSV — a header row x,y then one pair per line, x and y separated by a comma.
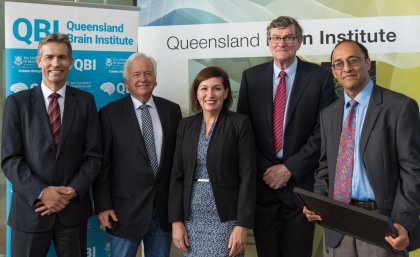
x,y
290,78
157,126
46,92
361,188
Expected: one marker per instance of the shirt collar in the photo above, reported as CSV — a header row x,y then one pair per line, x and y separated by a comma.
x,y
46,91
137,103
363,97
290,71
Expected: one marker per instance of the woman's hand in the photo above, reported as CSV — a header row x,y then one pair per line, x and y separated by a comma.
x,y
237,241
180,236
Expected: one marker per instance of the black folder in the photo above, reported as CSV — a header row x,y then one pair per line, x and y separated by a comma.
x,y
365,225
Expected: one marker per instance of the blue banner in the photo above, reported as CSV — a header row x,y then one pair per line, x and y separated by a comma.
x,y
101,46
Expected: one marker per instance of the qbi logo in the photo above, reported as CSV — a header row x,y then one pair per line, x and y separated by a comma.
x,y
28,31
84,64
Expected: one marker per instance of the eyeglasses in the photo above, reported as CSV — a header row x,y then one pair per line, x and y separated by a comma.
x,y
287,39
352,61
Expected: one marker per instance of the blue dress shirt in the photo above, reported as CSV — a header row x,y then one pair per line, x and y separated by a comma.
x,y
290,78
361,188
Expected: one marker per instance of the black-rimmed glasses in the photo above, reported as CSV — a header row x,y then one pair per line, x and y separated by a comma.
x,y
287,39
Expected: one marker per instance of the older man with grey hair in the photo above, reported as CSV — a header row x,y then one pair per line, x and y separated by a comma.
x,y
131,192
283,98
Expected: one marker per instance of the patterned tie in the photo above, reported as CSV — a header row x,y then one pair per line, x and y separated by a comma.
x,y
55,117
148,136
344,165
278,112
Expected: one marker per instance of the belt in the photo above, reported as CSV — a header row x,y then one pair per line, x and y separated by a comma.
x,y
367,205
202,179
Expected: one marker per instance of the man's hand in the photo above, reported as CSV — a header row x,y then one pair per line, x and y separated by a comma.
x,y
54,199
180,236
68,192
400,242
237,241
277,176
310,215
107,219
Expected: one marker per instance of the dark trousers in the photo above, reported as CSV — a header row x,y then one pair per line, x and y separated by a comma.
x,y
281,229
68,242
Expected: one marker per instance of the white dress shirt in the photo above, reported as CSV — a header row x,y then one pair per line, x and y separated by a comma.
x,y
157,126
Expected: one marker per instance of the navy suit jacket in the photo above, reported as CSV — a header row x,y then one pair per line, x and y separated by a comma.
x,y
390,148
31,163
313,89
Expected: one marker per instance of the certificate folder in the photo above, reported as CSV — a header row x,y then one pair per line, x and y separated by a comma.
x,y
365,225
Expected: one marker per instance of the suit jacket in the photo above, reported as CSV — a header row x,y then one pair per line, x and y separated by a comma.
x,y
312,90
230,164
31,163
126,183
390,148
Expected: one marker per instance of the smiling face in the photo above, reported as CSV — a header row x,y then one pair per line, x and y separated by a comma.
x,y
352,78
211,94
283,53
141,79
55,64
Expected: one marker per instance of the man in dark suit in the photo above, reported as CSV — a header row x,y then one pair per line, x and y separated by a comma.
x,y
288,156
51,153
131,192
384,160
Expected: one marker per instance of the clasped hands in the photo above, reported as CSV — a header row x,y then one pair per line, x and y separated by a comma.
x,y
399,243
54,199
277,176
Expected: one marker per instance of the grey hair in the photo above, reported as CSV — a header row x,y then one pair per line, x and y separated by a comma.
x,y
284,22
134,57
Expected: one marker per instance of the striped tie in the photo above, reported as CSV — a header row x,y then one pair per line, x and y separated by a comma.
x,y
55,117
278,112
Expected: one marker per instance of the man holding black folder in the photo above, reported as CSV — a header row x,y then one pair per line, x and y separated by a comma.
x,y
370,154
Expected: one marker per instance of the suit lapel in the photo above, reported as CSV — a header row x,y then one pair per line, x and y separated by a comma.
x,y
266,90
372,113
336,126
40,111
195,136
129,118
300,83
70,104
164,119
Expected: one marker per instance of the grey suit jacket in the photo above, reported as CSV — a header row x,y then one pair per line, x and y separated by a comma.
x,y
31,163
390,147
126,183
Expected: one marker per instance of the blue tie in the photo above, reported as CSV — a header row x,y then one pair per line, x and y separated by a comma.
x,y
148,136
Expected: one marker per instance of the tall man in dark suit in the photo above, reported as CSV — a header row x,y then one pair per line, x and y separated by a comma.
x,y
283,99
381,169
131,192
51,153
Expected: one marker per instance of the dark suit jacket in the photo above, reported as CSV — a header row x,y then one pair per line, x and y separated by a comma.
x,y
31,163
390,147
126,183
312,90
230,164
